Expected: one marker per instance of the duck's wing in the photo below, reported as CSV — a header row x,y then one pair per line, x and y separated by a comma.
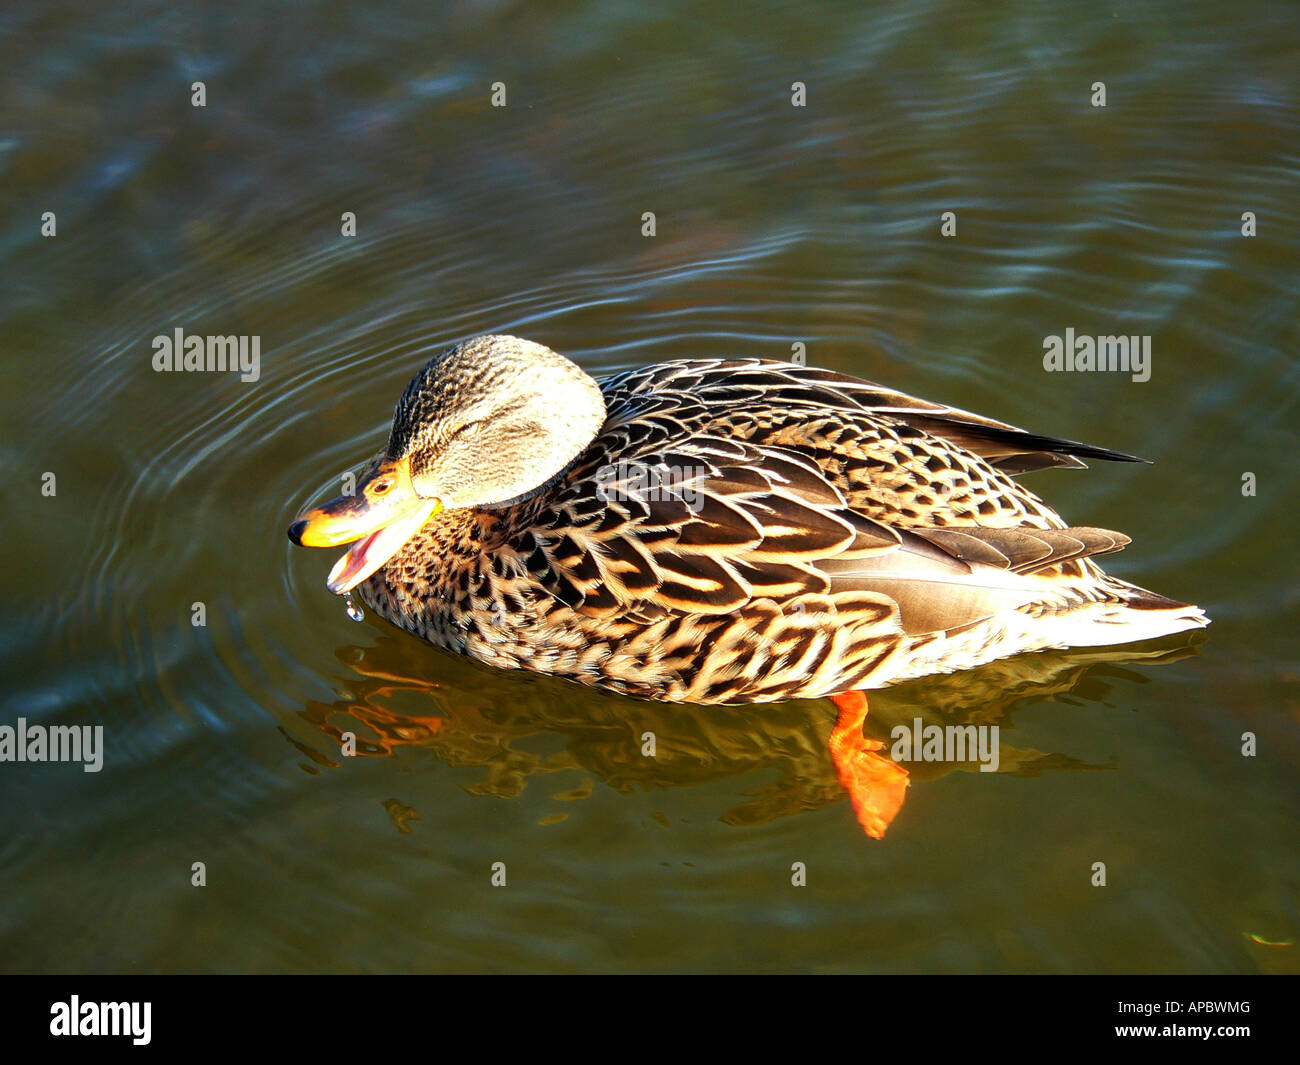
x,y
737,383
727,487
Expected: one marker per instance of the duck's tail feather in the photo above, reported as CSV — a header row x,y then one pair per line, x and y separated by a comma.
x,y
1139,615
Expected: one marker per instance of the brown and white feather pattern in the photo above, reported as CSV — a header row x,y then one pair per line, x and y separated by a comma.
x,y
817,534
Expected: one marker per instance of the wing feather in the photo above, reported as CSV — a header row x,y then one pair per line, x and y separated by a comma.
x,y
749,487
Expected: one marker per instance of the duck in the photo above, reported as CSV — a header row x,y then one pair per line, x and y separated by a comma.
x,y
722,531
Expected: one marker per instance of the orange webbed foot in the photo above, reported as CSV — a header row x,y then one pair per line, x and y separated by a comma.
x,y
876,785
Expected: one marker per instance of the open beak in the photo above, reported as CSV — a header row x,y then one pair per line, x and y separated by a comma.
x,y
380,516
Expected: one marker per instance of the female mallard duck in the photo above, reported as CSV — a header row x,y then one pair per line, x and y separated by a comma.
x,y
719,531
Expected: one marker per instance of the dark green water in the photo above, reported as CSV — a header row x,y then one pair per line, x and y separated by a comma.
x,y
776,225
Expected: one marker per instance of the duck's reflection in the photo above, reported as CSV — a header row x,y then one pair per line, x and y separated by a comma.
x,y
474,716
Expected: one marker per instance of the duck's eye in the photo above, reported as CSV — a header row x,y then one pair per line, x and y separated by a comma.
x,y
468,427
380,488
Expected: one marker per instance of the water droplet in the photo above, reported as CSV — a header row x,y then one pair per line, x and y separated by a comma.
x,y
354,611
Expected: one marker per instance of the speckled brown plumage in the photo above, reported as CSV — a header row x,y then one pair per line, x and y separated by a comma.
x,y
817,534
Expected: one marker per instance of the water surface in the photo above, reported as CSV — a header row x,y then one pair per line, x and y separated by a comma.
x,y
776,225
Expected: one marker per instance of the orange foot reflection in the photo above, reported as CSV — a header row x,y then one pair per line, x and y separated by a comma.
x,y
876,786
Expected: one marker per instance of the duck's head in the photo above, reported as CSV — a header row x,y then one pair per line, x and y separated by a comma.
x,y
487,423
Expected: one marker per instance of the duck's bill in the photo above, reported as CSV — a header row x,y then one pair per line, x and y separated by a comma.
x,y
376,548
380,517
